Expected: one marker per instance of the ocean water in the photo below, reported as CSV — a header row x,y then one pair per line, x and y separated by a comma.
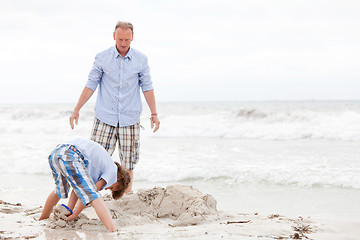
x,y
290,158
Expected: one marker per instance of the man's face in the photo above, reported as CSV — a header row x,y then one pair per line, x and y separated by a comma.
x,y
123,38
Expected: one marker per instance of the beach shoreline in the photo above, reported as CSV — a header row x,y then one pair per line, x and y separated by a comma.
x,y
292,159
19,221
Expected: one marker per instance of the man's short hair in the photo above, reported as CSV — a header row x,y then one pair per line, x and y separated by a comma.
x,y
124,25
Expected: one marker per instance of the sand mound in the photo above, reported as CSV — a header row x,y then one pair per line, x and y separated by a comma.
x,y
59,220
181,204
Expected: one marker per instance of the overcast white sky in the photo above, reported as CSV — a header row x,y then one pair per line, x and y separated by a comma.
x,y
198,50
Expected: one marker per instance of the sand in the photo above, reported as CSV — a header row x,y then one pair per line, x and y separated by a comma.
x,y
174,212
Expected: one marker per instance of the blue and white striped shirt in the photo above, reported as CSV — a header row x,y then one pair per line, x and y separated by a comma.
x,y
119,80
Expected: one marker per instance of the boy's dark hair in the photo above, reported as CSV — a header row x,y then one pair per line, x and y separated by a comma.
x,y
123,179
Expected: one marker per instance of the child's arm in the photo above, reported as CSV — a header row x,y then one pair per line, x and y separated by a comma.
x,y
104,214
79,206
100,184
51,201
78,209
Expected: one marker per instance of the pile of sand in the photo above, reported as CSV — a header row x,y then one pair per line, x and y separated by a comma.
x,y
151,213
181,205
58,219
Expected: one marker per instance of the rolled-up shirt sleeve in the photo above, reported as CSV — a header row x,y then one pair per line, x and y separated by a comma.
x,y
145,77
95,75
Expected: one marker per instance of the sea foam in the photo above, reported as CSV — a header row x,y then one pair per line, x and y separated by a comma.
x,y
254,120
288,143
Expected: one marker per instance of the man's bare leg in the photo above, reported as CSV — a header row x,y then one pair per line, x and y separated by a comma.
x,y
129,189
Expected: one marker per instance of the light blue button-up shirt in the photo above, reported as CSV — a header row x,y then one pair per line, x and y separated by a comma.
x,y
119,80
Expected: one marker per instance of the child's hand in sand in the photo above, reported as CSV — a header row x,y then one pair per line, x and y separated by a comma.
x,y
71,217
69,213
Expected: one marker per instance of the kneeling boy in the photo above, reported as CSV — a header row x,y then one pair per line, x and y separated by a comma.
x,y
88,168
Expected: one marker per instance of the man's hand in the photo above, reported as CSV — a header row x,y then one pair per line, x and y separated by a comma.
x,y
154,120
74,116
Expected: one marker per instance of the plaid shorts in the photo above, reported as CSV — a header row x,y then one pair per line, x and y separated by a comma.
x,y
69,168
128,138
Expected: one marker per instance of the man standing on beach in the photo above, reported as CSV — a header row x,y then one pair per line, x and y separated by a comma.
x,y
120,72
